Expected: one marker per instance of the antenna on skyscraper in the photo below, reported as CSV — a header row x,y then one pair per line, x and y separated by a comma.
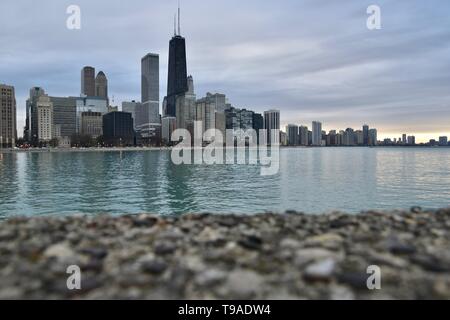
x,y
174,24
179,26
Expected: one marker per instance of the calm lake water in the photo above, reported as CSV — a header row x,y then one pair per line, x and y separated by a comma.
x,y
310,180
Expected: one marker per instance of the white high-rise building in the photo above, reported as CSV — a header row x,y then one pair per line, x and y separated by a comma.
x,y
44,116
150,88
316,133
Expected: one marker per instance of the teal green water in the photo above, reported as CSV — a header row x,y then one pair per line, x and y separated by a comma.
x,y
310,180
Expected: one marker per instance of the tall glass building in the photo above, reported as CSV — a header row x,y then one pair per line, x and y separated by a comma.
x,y
272,122
316,133
8,131
177,83
88,81
64,116
150,88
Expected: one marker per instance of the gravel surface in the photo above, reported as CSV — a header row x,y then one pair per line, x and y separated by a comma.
x,y
267,256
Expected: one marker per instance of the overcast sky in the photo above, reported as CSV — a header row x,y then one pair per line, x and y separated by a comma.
x,y
311,59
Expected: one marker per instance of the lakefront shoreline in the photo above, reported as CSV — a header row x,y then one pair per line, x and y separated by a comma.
x,y
168,148
266,256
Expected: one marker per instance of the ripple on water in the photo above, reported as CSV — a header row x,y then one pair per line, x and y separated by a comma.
x,y
310,180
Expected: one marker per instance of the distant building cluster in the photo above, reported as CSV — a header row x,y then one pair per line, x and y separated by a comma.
x,y
301,136
59,120
406,140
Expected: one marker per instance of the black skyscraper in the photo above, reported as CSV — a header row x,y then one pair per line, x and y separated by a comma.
x,y
177,74
118,129
366,135
258,123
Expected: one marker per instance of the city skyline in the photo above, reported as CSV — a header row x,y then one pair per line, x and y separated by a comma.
x,y
391,78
